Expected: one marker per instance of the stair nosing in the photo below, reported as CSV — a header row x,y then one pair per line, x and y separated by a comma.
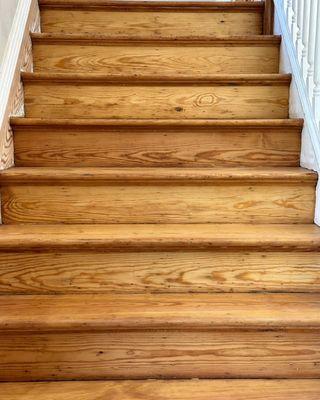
x,y
158,237
105,79
97,39
26,175
184,6
165,311
209,123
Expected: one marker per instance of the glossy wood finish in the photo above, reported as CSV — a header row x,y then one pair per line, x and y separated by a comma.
x,y
166,354
183,271
102,195
153,117
96,54
207,143
89,313
62,96
172,19
160,237
165,390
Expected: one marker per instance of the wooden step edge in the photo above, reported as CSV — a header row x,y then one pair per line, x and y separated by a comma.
x,y
160,237
102,79
97,39
151,311
31,123
183,6
26,175
174,389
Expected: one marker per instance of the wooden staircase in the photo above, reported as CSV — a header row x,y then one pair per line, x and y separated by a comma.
x,y
158,238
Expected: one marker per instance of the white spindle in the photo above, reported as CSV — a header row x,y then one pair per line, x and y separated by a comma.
x,y
311,46
305,35
316,91
294,20
299,10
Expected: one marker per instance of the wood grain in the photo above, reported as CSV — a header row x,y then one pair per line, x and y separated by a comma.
x,y
107,312
157,196
159,354
158,271
67,99
306,389
151,145
89,55
137,237
153,23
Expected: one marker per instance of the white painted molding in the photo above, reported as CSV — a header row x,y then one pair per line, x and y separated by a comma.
x,y
300,105
11,55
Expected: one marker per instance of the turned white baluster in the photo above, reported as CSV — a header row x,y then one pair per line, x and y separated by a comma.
x,y
316,91
293,28
288,11
311,46
299,11
305,35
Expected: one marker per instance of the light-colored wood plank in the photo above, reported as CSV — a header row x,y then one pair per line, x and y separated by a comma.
x,y
239,389
158,271
160,237
84,96
102,195
159,354
152,145
87,54
154,20
107,312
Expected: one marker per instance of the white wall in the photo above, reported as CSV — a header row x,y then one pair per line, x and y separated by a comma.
x,y
7,11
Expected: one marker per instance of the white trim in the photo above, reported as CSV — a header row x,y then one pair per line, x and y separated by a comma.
x,y
310,156
11,54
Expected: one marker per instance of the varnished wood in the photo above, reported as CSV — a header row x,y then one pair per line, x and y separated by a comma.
x,y
154,143
184,271
88,96
102,195
159,354
268,17
66,53
101,312
306,389
158,5
138,237
154,19
181,272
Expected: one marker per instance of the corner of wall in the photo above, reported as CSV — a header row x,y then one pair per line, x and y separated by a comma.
x,y
17,58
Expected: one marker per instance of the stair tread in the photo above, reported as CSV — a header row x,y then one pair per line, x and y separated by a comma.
x,y
103,39
243,174
157,236
220,79
203,389
95,312
245,123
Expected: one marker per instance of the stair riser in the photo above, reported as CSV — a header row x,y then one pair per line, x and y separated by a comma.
x,y
154,24
150,147
159,354
96,100
138,202
181,271
174,60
